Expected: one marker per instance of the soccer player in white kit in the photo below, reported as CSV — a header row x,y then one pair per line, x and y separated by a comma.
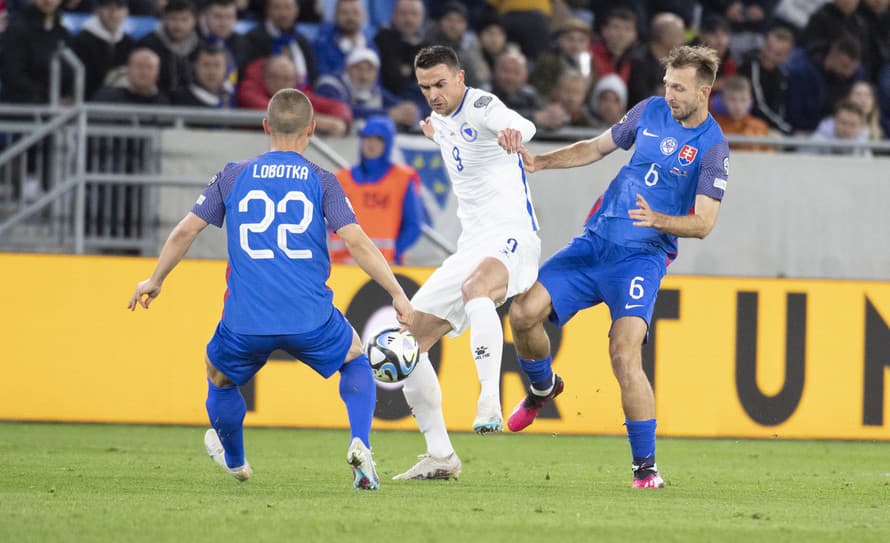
x,y
497,252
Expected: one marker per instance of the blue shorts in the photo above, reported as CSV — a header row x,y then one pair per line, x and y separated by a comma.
x,y
591,269
240,356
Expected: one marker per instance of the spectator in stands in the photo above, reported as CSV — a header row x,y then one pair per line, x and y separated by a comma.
x,y
278,35
738,119
847,124
385,196
510,84
451,30
608,101
618,39
217,26
795,14
833,20
815,84
685,9
572,52
27,47
714,33
335,41
102,45
763,70
876,14
175,41
143,72
211,86
742,15
526,24
492,40
647,73
570,93
360,88
264,77
399,44
863,95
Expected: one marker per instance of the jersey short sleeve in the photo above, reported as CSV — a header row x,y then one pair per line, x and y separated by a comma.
x,y
211,204
624,132
714,172
337,209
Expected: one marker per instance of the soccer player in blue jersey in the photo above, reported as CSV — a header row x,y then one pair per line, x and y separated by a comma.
x,y
671,187
275,207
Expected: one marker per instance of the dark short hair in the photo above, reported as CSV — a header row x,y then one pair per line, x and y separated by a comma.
x,y
622,14
848,105
207,4
434,55
713,23
702,58
208,48
176,6
847,45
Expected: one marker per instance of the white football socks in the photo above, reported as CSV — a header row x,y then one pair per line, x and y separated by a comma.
x,y
487,344
424,396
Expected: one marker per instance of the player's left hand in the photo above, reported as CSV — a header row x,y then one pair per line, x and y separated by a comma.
x,y
643,215
404,311
510,139
146,291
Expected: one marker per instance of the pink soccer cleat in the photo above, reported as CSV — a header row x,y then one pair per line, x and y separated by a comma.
x,y
647,477
525,412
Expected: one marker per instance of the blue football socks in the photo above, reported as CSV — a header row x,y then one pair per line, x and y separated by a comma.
x,y
359,393
540,372
641,434
226,409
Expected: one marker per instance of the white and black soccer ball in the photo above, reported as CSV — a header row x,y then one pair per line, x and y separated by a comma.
x,y
393,354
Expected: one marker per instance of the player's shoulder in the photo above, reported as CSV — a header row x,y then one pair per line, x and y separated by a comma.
x,y
479,101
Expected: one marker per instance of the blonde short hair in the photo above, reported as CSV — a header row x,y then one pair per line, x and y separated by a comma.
x,y
703,59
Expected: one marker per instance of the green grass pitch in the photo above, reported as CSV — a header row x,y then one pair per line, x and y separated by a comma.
x,y
146,483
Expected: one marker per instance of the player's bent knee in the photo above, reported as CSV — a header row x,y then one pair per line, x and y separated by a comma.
x,y
217,377
523,315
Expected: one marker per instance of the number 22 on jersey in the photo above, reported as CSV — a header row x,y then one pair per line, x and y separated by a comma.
x,y
271,208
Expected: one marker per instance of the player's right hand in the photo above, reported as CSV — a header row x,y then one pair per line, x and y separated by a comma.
x,y
528,160
146,291
427,126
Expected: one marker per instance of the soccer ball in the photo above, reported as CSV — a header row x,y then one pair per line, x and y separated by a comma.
x,y
393,355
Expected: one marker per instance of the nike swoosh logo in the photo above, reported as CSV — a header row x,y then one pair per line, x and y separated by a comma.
x,y
628,306
650,134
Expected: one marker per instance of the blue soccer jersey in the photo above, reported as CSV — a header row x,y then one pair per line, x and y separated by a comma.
x,y
669,167
275,207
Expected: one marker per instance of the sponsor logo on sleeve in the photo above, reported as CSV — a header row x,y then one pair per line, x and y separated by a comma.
x,y
726,165
482,101
201,199
720,183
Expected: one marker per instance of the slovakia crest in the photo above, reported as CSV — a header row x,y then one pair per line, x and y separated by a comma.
x,y
668,146
687,155
468,133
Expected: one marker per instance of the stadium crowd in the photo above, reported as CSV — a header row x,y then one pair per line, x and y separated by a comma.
x,y
817,67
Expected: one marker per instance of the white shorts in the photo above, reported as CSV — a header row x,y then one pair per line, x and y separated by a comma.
x,y
441,294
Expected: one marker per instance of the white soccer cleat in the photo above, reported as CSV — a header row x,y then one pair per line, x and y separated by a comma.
x,y
214,448
488,416
364,473
431,467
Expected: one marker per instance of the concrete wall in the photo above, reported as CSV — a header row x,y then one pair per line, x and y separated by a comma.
x,y
784,215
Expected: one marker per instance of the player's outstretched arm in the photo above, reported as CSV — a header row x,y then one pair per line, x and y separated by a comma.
x,y
371,260
177,244
697,225
577,154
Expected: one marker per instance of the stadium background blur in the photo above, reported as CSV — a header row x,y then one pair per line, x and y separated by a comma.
x,y
84,177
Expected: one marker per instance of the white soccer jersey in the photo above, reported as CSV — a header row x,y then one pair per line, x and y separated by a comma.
x,y
490,185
